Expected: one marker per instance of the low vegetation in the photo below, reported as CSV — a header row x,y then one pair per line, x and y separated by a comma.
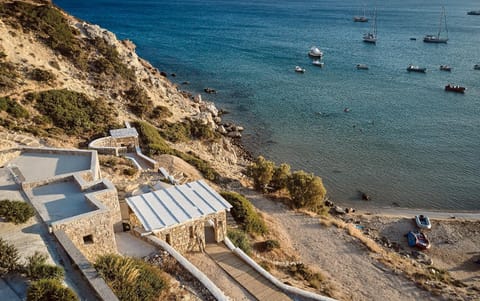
x,y
8,75
245,214
36,268
41,75
13,108
110,62
8,258
131,279
49,290
154,144
302,272
187,130
49,24
239,239
73,112
17,212
138,101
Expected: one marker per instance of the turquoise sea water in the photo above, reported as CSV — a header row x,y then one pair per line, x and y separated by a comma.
x,y
404,141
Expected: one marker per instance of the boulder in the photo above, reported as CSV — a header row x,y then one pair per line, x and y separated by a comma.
x,y
197,98
222,130
234,134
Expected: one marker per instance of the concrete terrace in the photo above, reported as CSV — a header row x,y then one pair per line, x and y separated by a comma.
x,y
60,200
39,166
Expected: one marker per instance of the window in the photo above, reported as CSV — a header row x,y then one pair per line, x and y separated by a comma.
x,y
192,234
88,240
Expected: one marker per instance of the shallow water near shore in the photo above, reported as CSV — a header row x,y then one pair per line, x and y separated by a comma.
x,y
404,140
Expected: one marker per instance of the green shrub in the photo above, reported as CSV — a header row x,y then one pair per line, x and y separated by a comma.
x,y
156,145
176,132
17,212
306,190
245,214
41,75
8,258
37,268
240,240
129,171
111,63
138,101
280,176
261,171
13,108
73,112
49,290
8,75
150,137
131,279
203,166
160,112
202,131
271,244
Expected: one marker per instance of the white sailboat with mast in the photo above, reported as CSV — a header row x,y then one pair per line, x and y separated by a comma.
x,y
437,38
371,36
361,18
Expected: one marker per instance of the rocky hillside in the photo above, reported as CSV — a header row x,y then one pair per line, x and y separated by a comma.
x,y
67,82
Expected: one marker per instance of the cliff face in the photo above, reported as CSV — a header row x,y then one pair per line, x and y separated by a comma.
x,y
68,81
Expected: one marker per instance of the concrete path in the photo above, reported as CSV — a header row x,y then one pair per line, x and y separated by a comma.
x,y
251,280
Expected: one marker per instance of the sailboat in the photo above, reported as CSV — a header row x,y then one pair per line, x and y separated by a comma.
x,y
371,36
437,38
360,18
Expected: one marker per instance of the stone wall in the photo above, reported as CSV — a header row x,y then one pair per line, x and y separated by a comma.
x,y
190,236
91,233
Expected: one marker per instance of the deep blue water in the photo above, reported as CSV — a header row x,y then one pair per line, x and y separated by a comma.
x,y
405,139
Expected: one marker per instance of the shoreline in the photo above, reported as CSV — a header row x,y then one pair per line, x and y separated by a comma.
x,y
363,207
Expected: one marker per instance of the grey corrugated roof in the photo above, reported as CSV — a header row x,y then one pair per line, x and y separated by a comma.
x,y
125,132
175,205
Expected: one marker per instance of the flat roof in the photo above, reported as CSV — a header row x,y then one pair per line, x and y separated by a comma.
x,y
123,133
38,166
61,200
167,207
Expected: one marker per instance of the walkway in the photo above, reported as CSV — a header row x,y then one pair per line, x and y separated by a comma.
x,y
251,280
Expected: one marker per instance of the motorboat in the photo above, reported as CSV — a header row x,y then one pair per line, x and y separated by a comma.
x,y
455,88
476,67
445,68
436,38
418,239
413,39
317,63
315,52
299,69
362,67
423,222
412,68
474,13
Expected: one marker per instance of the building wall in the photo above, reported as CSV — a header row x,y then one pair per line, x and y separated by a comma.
x,y
190,236
97,225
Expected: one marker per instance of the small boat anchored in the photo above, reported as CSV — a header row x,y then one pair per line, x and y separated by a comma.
x,y
436,38
418,239
362,67
317,63
412,68
455,88
474,13
371,36
445,68
315,52
476,67
299,69
423,222
361,18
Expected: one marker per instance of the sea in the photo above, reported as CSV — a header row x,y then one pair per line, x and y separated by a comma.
x,y
404,140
